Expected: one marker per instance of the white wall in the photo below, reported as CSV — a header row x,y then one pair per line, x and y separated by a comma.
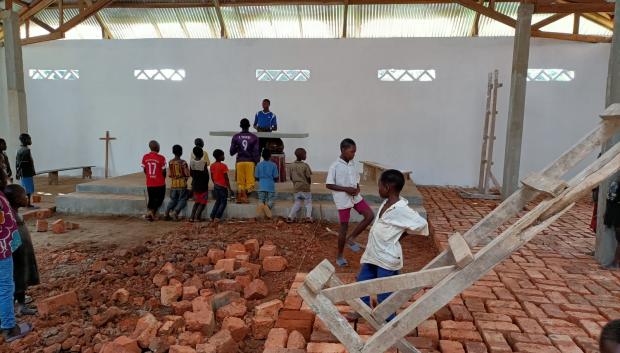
x,y
431,128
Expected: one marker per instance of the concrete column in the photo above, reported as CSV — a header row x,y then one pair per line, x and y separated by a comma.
x,y
605,237
15,117
516,106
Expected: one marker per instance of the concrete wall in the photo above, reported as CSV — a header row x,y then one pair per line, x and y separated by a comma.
x,y
431,128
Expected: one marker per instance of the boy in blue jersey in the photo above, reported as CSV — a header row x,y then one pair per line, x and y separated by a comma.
x,y
265,120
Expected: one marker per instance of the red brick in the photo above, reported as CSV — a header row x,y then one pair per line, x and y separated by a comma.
x,y
233,250
422,342
228,265
554,311
261,326
477,294
583,308
450,347
257,289
274,263
475,305
215,255
224,285
592,328
460,335
201,303
443,314
170,294
587,344
146,329
503,293
429,329
496,341
276,338
316,347
205,348
252,246
42,225
172,325
514,337
528,325
254,268
269,309
59,227
460,312
64,301
533,311
223,342
565,344
576,316
292,302
202,321
236,326
457,325
221,299
267,250
301,321
181,349
534,348
500,326
296,341
190,292
236,308
128,344
492,317
556,297
507,311
475,347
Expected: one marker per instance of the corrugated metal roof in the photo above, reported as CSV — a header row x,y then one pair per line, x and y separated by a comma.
x,y
302,21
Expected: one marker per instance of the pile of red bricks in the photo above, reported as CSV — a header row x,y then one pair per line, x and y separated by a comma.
x,y
548,297
210,312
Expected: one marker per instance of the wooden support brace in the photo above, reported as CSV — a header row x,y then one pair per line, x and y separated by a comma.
x,y
612,112
319,276
421,279
548,185
460,250
328,313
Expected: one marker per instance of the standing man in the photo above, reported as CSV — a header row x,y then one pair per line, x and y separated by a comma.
x,y
265,120
24,167
245,146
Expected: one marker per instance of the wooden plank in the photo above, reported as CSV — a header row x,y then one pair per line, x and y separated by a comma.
x,y
491,140
319,276
549,20
433,300
43,38
460,250
361,308
420,279
548,185
34,9
83,15
599,20
575,7
507,209
573,37
337,324
612,112
485,131
497,16
42,24
220,18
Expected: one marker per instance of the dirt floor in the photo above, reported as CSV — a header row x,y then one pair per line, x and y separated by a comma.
x,y
109,253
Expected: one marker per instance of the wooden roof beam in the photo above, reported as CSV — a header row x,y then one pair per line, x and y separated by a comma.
x,y
34,8
497,16
575,7
571,36
542,23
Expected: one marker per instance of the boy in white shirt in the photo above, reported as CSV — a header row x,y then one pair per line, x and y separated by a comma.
x,y
343,180
384,256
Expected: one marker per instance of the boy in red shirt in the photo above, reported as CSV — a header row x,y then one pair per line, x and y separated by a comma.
x,y
219,174
154,166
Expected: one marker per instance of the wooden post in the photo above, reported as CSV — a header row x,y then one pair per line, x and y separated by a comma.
x,y
107,140
485,137
491,141
605,237
516,107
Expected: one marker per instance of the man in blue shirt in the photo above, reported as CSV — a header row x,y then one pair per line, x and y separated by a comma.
x,y
265,120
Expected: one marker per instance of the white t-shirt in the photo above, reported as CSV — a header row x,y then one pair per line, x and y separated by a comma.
x,y
383,248
344,174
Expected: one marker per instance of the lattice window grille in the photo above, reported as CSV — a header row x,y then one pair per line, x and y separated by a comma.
x,y
62,74
550,75
282,75
159,74
402,75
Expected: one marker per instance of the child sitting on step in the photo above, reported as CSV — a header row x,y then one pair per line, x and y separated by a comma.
x,y
179,173
267,175
383,256
300,176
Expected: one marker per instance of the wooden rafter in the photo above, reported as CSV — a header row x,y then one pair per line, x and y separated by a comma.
x,y
42,24
105,30
488,12
575,7
220,18
33,9
600,20
83,15
474,27
542,23
345,18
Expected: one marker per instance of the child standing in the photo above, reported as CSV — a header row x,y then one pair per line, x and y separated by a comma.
x,y
154,166
301,177
25,166
221,185
245,146
4,160
200,143
267,175
384,256
200,183
8,234
25,269
179,173
343,180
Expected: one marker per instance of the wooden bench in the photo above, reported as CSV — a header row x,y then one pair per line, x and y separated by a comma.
x,y
87,172
372,171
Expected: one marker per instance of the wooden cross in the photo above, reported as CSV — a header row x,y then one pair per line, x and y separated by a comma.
x,y
107,140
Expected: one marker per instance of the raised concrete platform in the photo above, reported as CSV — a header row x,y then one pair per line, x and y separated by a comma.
x,y
126,195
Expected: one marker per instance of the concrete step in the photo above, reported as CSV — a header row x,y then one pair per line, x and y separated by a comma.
x,y
91,203
414,198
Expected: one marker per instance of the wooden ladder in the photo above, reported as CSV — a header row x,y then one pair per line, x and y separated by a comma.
x,y
457,268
